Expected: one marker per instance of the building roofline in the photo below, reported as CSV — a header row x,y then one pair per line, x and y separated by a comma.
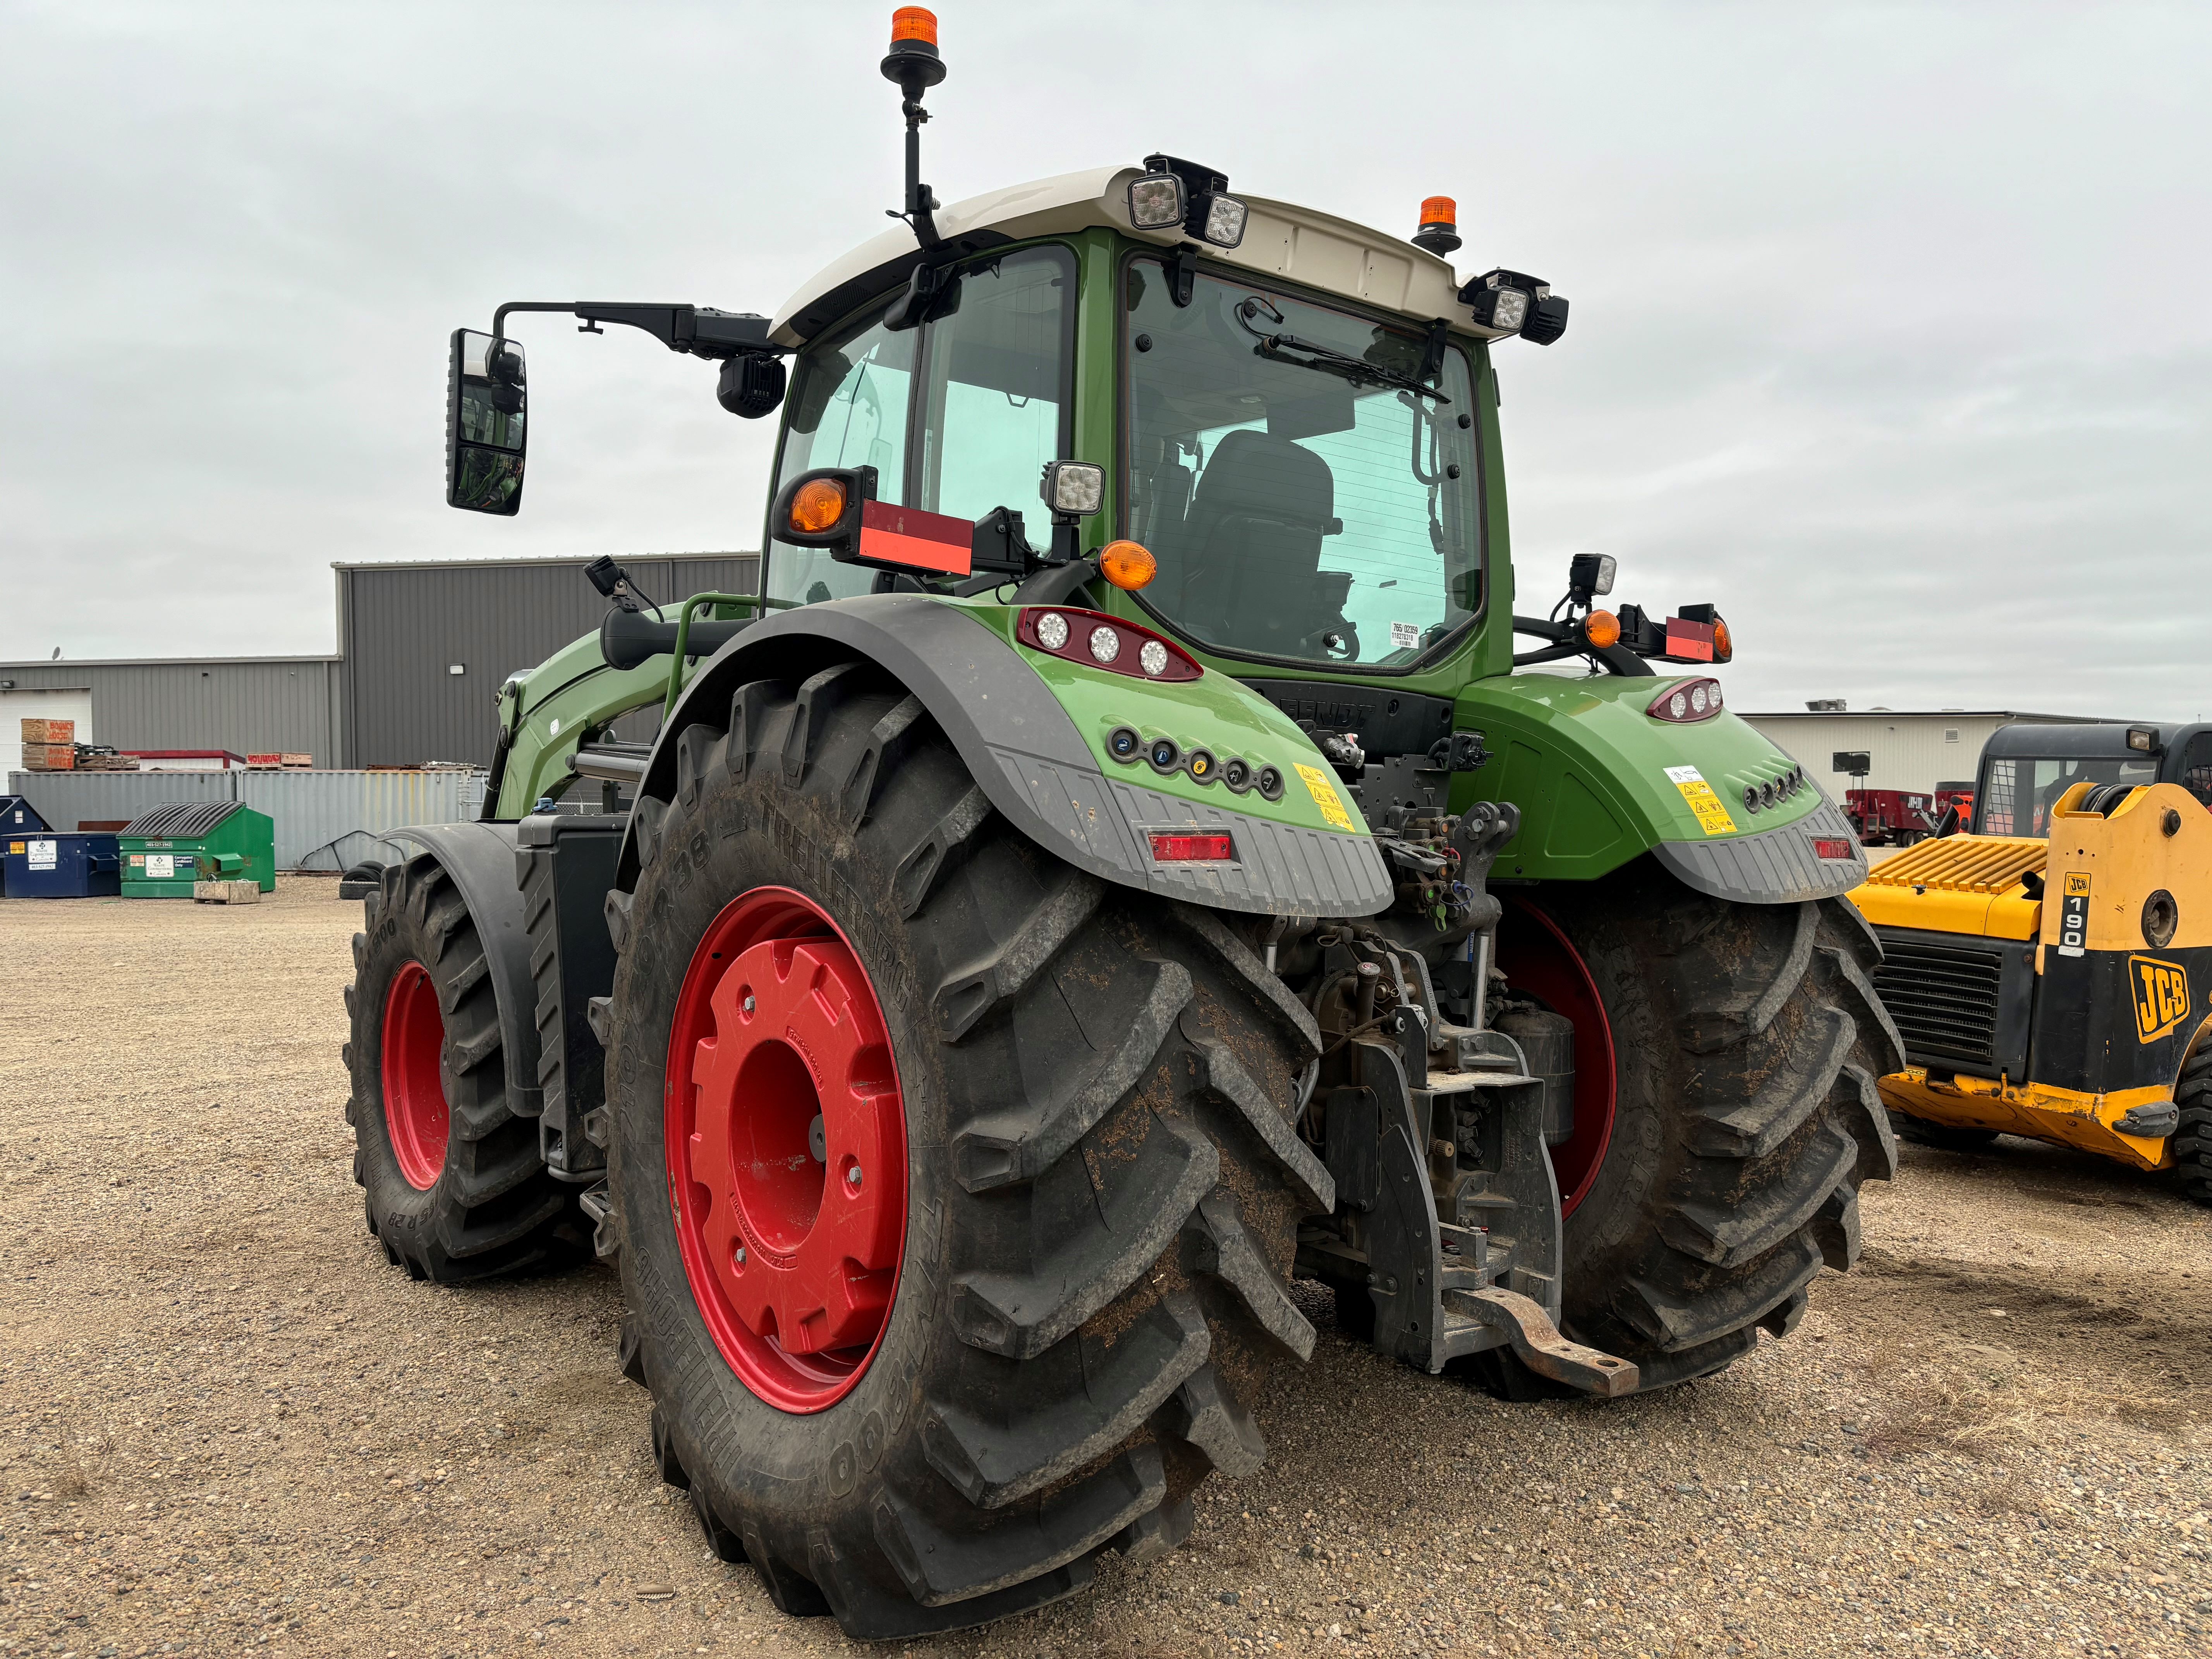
x,y
576,559
1924,713
66,663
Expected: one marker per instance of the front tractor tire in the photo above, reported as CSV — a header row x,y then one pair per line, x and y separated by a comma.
x,y
452,1178
953,1191
1706,1189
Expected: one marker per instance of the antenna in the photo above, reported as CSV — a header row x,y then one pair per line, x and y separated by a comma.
x,y
914,64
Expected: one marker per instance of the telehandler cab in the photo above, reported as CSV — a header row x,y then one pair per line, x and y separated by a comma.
x,y
1117,866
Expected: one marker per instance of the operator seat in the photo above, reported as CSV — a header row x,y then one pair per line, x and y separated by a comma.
x,y
1252,546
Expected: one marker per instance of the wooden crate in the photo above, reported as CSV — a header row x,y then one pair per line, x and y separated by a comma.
x,y
46,732
49,756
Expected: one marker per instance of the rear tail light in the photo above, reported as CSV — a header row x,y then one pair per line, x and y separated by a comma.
x,y
1834,846
1098,640
1691,700
1192,850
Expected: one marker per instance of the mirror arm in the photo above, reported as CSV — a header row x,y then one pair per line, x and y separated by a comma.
x,y
700,331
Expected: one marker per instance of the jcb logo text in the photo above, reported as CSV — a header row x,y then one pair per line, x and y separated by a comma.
x,y
2162,991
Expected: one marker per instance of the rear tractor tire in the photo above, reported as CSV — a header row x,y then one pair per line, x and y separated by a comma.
x,y
452,1181
978,1271
1710,1184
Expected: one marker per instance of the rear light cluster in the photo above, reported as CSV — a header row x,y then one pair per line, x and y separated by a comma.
x,y
1757,797
1176,847
1200,765
1693,700
1834,846
1098,640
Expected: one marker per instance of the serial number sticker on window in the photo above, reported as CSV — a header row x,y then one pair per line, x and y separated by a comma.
x,y
2074,915
1712,816
1325,796
1404,637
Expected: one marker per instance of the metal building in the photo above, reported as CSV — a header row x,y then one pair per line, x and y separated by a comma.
x,y
423,647
244,704
1911,749
422,650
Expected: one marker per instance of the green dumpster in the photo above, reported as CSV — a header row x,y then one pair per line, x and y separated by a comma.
x,y
164,852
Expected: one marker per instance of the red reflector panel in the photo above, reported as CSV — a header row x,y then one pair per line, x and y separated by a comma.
x,y
907,537
1192,849
1689,642
1834,846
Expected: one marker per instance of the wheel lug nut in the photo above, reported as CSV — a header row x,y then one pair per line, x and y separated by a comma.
x,y
740,1254
749,1003
852,1176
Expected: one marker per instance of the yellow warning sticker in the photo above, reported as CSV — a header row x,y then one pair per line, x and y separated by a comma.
x,y
1712,816
1325,796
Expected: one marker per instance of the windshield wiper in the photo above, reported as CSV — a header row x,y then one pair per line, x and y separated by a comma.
x,y
1358,370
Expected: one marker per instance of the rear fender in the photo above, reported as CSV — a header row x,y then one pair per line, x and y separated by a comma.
x,y
1023,747
480,859
1599,781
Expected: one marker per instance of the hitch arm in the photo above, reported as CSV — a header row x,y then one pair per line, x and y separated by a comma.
x,y
1536,1342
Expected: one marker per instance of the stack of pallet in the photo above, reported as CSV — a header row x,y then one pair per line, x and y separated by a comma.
x,y
49,745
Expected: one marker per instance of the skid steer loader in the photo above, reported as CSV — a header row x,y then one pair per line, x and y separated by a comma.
x,y
2050,972
1118,866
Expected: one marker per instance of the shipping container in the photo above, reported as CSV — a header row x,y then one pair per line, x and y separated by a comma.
x,y
164,852
326,821
56,864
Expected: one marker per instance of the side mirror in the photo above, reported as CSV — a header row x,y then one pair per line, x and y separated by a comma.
x,y
486,390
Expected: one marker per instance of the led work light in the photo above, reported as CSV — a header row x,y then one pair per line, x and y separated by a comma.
x,y
1076,488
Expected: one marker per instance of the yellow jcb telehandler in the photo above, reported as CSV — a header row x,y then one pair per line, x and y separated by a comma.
x,y
2051,970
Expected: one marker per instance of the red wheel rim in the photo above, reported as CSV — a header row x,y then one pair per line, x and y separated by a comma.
x,y
416,1116
793,1258
1536,957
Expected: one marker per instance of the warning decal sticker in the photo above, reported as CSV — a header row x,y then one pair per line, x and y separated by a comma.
x,y
1712,816
1325,796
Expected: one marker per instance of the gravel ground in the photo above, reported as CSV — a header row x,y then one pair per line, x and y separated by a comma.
x,y
229,1424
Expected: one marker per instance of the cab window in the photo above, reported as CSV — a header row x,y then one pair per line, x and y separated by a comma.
x,y
958,417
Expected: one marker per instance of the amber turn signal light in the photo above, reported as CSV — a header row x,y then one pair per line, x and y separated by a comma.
x,y
1723,642
1602,628
1127,565
914,23
818,506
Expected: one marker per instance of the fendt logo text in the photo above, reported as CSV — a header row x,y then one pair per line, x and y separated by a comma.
x,y
2162,991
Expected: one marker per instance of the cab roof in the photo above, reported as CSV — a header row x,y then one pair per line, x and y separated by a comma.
x,y
1315,249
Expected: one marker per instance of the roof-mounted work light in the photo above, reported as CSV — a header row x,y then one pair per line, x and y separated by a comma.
x,y
1518,304
1200,196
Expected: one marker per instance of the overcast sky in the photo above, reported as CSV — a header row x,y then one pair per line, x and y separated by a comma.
x,y
1890,328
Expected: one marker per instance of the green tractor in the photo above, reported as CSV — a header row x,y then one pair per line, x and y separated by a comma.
x,y
1116,868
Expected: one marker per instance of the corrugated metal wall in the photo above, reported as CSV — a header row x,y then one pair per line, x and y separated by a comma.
x,y
244,704
402,628
1909,750
322,820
